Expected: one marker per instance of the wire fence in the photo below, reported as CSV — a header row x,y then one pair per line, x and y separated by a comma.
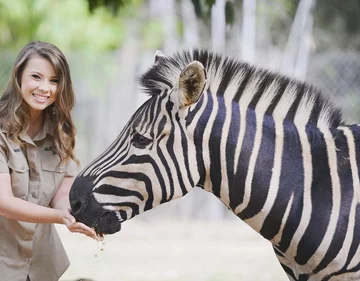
x,y
338,76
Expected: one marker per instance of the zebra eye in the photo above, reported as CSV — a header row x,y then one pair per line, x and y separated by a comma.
x,y
140,141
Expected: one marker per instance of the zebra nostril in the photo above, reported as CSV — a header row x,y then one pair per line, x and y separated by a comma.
x,y
77,206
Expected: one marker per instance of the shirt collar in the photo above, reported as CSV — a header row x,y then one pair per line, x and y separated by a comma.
x,y
4,128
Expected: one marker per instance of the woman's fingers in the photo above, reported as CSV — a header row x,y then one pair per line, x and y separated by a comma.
x,y
84,229
79,227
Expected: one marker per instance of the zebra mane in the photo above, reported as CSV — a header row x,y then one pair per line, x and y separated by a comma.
x,y
224,71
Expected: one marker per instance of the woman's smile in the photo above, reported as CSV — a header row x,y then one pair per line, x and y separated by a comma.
x,y
40,98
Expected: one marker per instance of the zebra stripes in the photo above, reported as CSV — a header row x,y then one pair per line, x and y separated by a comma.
x,y
274,150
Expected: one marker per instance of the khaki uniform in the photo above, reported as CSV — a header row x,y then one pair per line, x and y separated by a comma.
x,y
29,248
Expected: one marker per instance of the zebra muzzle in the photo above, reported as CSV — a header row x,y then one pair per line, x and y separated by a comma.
x,y
108,223
86,209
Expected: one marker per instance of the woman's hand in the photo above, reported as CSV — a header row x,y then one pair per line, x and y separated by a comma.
x,y
78,227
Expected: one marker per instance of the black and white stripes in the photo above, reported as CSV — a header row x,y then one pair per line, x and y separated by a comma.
x,y
274,150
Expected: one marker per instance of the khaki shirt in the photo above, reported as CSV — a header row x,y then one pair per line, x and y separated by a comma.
x,y
29,248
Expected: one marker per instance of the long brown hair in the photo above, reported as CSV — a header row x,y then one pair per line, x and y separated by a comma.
x,y
14,113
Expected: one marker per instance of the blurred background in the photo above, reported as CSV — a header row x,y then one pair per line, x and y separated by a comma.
x,y
110,43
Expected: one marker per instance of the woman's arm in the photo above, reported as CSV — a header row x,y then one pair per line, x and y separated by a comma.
x,y
15,208
60,200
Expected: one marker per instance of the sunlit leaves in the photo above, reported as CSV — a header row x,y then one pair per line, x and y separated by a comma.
x,y
210,2
229,12
202,9
152,35
66,23
19,21
112,5
72,27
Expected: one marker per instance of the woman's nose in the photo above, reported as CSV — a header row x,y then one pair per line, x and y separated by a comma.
x,y
44,86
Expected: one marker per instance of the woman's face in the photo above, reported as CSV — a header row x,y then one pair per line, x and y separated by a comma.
x,y
38,84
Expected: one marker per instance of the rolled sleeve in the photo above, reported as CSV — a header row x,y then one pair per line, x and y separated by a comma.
x,y
4,168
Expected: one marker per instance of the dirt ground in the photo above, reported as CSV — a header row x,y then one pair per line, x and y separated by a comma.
x,y
181,250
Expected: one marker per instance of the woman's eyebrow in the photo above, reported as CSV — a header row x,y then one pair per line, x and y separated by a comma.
x,y
33,71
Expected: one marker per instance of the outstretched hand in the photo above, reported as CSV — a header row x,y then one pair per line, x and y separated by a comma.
x,y
78,227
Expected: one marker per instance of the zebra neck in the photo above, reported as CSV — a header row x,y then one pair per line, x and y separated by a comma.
x,y
256,166
287,186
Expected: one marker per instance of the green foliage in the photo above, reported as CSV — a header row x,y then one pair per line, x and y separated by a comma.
x,y
66,23
7,60
210,2
203,10
112,5
197,8
152,35
19,21
229,12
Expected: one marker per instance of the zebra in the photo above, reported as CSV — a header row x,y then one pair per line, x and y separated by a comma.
x,y
273,149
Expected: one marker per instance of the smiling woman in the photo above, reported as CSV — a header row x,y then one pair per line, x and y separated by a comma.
x,y
38,89
37,165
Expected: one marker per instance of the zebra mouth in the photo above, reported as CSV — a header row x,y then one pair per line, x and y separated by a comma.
x,y
108,223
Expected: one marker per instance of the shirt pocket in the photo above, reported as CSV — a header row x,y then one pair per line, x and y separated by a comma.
x,y
19,173
53,175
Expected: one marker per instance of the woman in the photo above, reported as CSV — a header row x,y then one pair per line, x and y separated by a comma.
x,y
37,165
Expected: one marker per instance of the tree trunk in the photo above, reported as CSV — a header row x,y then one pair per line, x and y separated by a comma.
x,y
169,18
248,41
191,34
298,45
302,60
218,26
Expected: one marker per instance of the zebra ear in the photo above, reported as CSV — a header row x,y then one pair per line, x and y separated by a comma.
x,y
192,82
159,56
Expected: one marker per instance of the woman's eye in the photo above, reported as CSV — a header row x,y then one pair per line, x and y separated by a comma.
x,y
54,81
140,141
35,76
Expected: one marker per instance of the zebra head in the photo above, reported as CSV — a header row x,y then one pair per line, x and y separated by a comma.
x,y
152,161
